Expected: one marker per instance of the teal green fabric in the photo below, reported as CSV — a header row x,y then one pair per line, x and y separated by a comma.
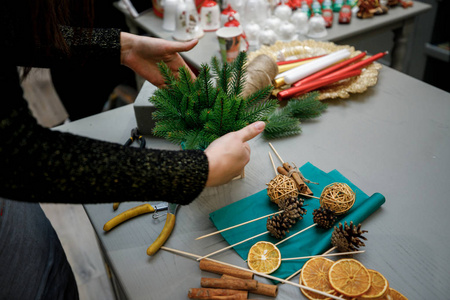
x,y
311,242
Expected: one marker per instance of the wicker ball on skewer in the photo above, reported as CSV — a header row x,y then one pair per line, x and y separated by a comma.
x,y
348,237
281,187
338,197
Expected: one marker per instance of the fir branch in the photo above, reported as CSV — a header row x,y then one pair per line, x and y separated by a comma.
x,y
306,107
260,111
259,95
238,73
278,126
184,82
166,73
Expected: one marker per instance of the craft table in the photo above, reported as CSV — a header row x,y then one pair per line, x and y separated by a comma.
x,y
398,20
393,139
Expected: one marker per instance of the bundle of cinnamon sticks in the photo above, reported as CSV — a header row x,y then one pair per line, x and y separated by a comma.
x,y
235,284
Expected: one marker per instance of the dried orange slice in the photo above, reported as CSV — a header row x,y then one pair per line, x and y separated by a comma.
x,y
395,295
315,275
349,277
378,288
264,257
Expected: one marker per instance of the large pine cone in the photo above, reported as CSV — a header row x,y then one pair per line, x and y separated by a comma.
x,y
348,238
324,217
293,209
278,225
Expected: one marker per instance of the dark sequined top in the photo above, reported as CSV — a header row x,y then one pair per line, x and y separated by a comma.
x,y
40,165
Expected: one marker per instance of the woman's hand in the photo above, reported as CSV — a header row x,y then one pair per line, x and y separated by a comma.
x,y
228,155
142,54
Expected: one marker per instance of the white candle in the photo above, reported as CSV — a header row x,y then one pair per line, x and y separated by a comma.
x,y
312,67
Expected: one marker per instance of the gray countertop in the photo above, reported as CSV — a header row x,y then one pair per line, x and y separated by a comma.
x,y
393,139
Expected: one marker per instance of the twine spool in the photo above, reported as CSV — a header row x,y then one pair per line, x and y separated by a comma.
x,y
281,187
338,197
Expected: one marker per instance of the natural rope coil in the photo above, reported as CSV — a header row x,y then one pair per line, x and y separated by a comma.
x,y
338,197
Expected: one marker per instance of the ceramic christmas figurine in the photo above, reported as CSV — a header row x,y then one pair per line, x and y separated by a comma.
x,y
210,15
228,12
187,22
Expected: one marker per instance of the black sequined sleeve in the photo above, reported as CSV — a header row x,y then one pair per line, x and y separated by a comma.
x,y
41,165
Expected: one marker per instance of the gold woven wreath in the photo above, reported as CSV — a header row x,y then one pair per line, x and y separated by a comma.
x,y
338,197
281,187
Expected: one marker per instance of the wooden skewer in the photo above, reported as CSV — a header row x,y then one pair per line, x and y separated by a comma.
x,y
296,273
273,164
291,236
231,246
241,224
276,153
254,272
324,255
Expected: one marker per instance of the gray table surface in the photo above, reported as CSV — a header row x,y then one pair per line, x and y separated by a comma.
x,y
398,19
393,139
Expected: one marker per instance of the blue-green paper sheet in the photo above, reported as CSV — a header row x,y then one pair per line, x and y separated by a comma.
x,y
313,241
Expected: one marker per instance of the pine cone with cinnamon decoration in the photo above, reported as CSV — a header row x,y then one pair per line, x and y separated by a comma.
x,y
324,217
348,237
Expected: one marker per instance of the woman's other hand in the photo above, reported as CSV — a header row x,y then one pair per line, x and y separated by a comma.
x,y
143,53
228,155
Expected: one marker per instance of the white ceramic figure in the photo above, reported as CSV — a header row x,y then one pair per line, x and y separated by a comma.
x,y
210,15
187,22
286,31
300,20
283,11
170,12
317,27
267,36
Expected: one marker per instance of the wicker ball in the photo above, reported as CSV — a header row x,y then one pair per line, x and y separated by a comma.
x,y
338,197
281,187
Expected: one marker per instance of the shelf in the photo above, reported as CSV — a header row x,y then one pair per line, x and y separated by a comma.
x,y
437,52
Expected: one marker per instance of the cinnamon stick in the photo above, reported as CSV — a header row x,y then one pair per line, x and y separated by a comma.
x,y
229,283
216,294
218,268
265,289
301,185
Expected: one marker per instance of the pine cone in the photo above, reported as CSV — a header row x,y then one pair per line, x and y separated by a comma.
x,y
278,225
293,209
347,238
324,217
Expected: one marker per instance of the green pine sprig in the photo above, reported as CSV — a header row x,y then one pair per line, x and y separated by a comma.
x,y
195,112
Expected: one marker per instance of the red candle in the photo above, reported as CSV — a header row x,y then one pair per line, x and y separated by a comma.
x,y
359,65
286,62
329,70
311,86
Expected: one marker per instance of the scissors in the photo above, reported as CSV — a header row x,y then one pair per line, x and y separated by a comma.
x,y
147,208
135,135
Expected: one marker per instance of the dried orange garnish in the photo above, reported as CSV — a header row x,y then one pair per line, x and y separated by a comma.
x,y
395,295
315,275
379,286
264,257
349,277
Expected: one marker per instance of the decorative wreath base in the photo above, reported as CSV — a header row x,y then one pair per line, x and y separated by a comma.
x,y
309,48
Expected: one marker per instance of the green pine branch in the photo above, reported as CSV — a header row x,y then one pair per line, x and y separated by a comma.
x,y
196,112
